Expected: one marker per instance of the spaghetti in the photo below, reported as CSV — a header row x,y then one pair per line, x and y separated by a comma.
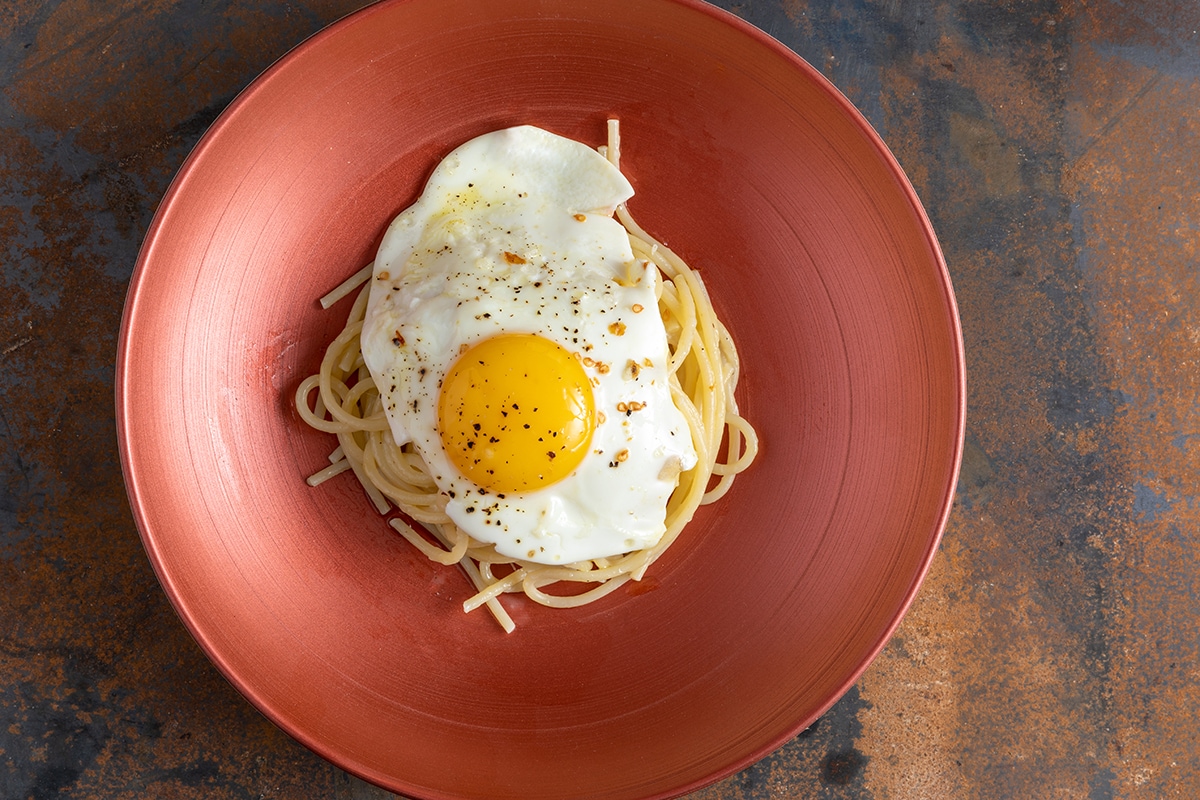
x,y
704,373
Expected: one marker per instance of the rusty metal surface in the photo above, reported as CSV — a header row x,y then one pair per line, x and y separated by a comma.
x,y
1053,649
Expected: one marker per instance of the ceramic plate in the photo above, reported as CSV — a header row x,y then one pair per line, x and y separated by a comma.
x,y
819,259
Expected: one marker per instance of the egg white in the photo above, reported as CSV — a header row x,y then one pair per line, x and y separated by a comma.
x,y
445,278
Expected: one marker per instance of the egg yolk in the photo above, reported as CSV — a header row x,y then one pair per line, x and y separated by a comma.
x,y
516,413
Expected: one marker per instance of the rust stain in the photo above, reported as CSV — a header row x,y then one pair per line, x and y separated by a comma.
x,y
797,12
916,689
1135,178
990,156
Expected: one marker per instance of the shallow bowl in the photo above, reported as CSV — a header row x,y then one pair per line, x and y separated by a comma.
x,y
821,262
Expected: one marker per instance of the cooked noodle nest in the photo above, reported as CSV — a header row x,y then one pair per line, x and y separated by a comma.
x,y
342,399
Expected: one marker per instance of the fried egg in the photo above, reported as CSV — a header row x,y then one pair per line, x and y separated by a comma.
x,y
516,343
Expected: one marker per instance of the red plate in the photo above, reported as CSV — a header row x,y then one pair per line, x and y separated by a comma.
x,y
823,265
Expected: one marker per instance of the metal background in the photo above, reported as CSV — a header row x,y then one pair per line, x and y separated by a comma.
x,y
1052,652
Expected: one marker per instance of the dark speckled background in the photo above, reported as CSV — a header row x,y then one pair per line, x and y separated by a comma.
x,y
1053,651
